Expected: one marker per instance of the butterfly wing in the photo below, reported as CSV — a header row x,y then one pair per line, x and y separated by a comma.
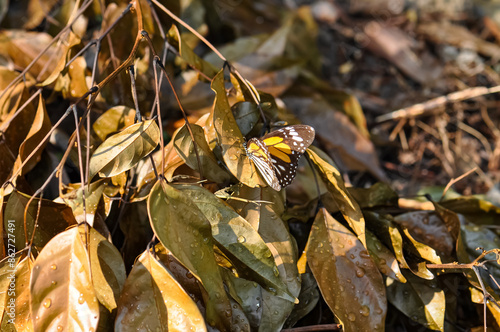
x,y
277,154
258,153
285,147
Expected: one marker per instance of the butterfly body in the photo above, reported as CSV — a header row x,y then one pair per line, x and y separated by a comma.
x,y
276,155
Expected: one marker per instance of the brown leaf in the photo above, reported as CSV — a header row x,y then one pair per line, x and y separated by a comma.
x,y
347,276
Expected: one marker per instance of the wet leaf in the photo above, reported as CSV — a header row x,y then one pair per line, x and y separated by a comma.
x,y
335,185
240,240
184,146
308,298
420,300
427,227
183,229
230,139
246,115
385,229
473,239
61,293
53,218
248,294
152,300
123,151
347,276
113,120
15,272
383,258
108,270
421,249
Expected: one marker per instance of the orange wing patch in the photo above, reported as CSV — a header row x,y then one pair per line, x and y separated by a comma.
x,y
255,149
280,153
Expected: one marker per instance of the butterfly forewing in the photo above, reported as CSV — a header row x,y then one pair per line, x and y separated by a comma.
x,y
277,154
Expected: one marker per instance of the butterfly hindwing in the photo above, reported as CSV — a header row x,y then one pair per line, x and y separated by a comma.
x,y
277,154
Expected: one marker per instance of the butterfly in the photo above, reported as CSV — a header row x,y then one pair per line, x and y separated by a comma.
x,y
276,155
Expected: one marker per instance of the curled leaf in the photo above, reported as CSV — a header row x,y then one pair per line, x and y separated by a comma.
x,y
123,151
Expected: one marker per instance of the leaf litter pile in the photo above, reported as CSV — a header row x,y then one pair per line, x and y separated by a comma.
x,y
130,202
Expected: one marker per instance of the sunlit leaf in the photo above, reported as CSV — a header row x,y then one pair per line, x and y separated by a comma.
x,y
428,227
230,139
347,276
16,125
21,295
61,293
23,46
122,151
113,120
421,249
152,300
386,231
108,270
53,218
335,184
13,267
185,148
69,39
183,229
383,258
39,128
474,209
188,55
240,240
419,299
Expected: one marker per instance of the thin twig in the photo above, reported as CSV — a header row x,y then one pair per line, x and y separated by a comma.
x,y
455,180
430,105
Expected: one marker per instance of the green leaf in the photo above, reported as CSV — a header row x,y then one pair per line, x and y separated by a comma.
x,y
108,270
240,240
383,258
152,300
335,185
184,146
308,298
53,218
246,115
183,229
347,276
230,139
61,294
419,299
123,151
